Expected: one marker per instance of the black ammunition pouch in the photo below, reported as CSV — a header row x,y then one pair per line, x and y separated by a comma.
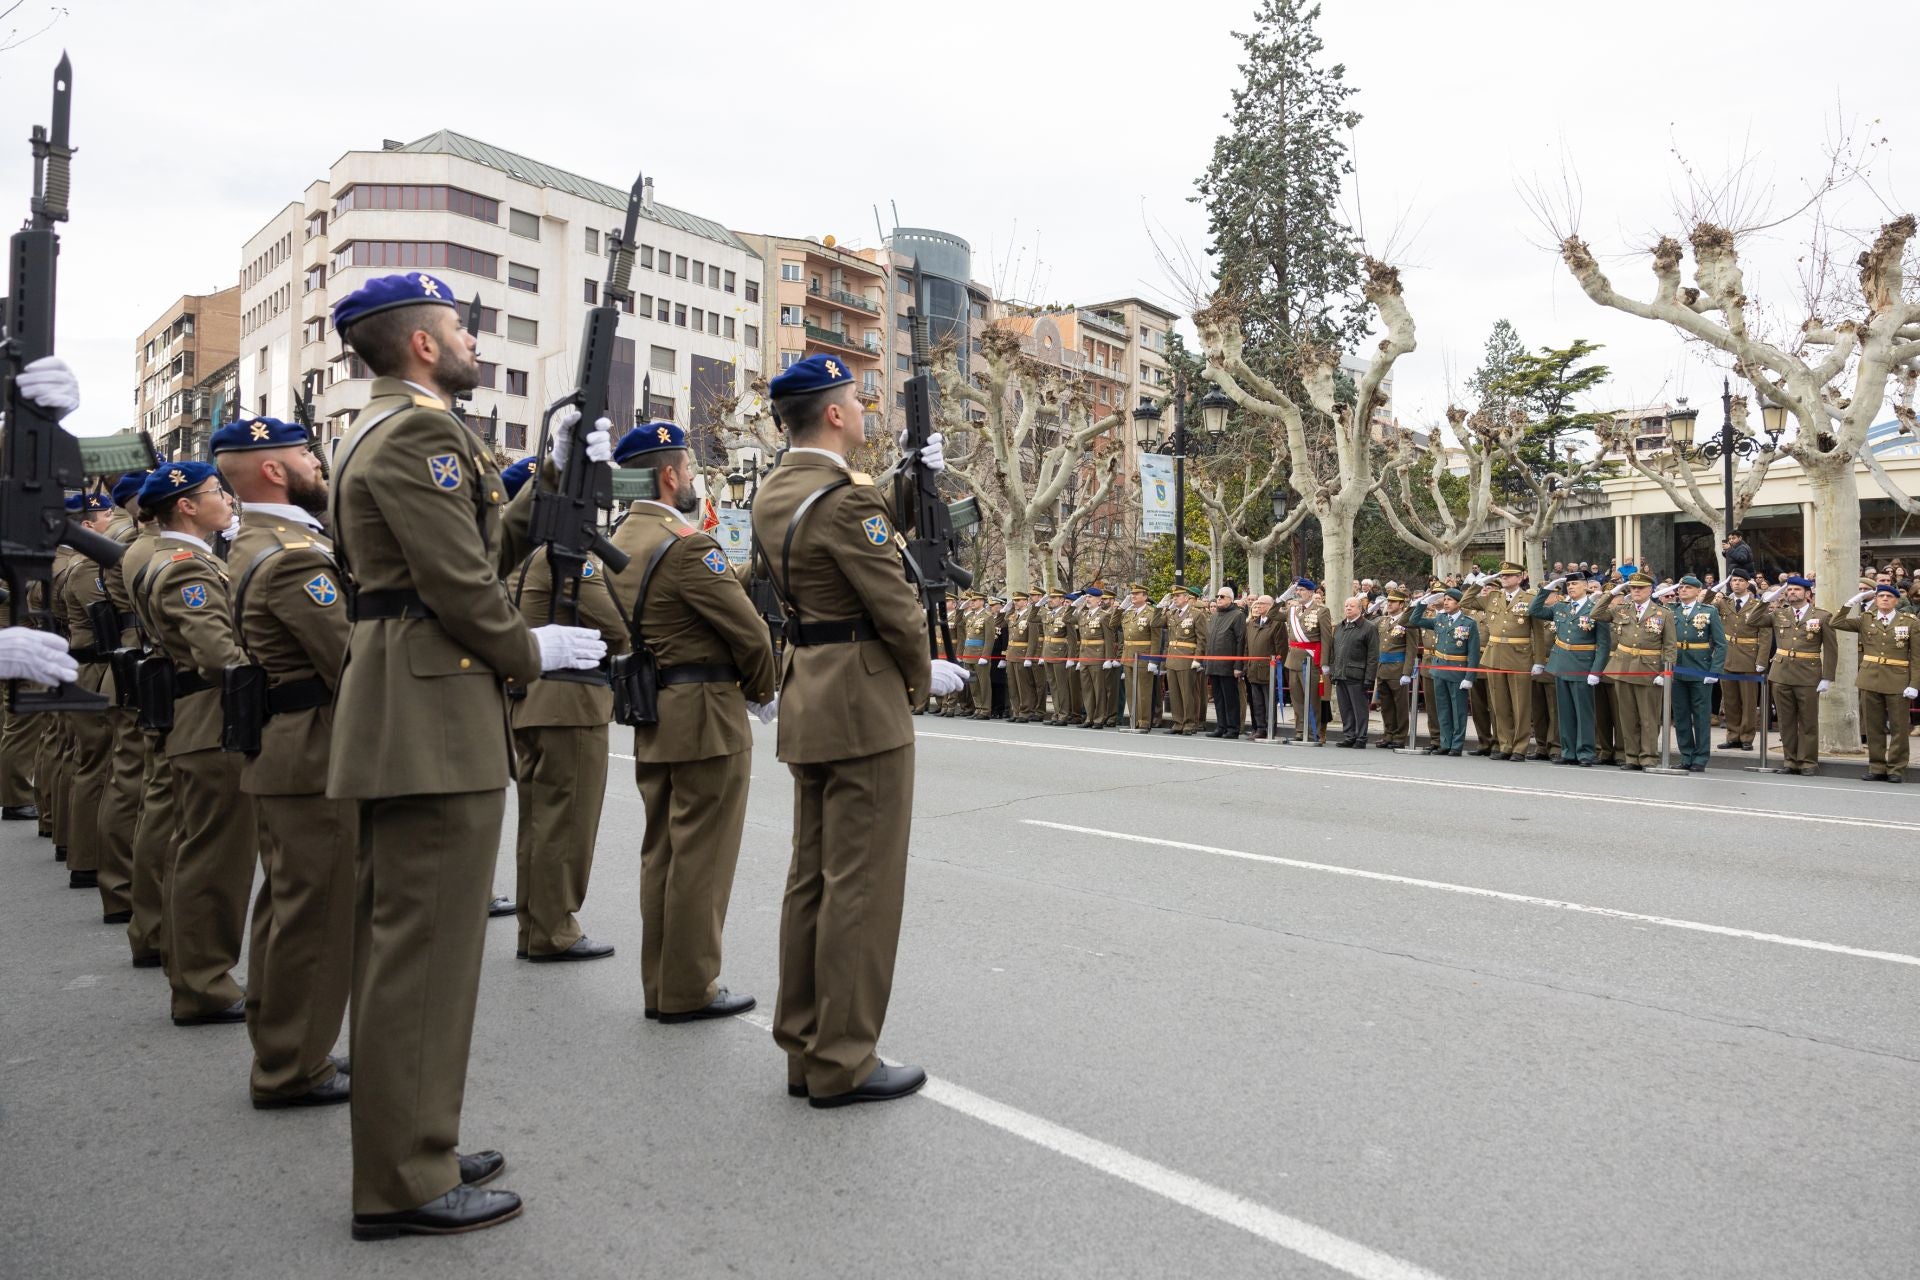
x,y
636,689
104,619
153,678
125,665
243,708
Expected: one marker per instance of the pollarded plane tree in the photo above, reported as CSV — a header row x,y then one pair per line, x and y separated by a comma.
x,y
1414,488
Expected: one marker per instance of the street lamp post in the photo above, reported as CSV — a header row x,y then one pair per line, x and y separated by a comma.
x,y
1725,443
1214,408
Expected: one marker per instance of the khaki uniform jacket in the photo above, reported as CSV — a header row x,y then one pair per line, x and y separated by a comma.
x,y
1641,642
1057,628
140,553
568,702
1749,643
1183,637
190,615
1805,649
1508,632
843,701
417,507
293,622
1313,621
1889,651
1019,629
1139,633
81,586
1398,635
1094,637
696,611
1264,639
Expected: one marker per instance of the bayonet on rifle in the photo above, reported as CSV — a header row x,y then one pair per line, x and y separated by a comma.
x,y
932,544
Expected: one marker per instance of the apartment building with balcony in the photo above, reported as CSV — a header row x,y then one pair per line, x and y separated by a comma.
x,y
193,338
823,299
530,240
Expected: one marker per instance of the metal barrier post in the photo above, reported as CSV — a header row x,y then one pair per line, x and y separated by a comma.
x,y
1413,714
1666,730
1766,714
1273,703
1312,688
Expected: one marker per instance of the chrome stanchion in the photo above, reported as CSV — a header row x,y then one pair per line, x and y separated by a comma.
x,y
1666,768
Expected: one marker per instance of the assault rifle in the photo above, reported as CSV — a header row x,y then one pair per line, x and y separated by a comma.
x,y
566,519
39,461
932,545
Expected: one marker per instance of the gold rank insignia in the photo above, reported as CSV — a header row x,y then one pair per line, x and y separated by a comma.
x,y
833,370
664,434
260,431
176,476
428,285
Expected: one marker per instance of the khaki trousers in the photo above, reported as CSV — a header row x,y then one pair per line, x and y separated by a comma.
x,y
1093,689
1140,699
17,742
217,842
1394,704
1061,681
1798,709
1638,710
696,810
1883,719
92,760
422,879
1307,706
1183,698
300,956
1606,726
562,788
1739,709
1480,711
120,810
1019,686
840,919
1511,693
56,764
153,845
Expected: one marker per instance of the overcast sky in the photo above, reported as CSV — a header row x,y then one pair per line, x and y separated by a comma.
x,y
1048,134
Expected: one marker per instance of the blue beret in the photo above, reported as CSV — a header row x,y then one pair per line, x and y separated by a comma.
x,y
1073,595
75,501
257,433
1305,584
1093,591
1628,570
1797,581
516,475
97,502
649,437
815,373
174,478
1887,589
127,487
1691,581
388,292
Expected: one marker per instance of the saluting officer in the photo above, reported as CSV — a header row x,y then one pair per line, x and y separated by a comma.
x,y
1509,658
1019,660
1805,655
417,526
1057,652
856,662
1399,650
1096,655
1889,674
1642,641
715,665
1578,656
1456,646
1700,656
188,607
1183,673
1749,649
1139,632
291,616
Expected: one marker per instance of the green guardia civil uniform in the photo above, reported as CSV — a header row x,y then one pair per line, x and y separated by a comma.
x,y
691,768
292,618
1580,649
1700,656
857,667
418,524
1889,674
1642,648
1456,649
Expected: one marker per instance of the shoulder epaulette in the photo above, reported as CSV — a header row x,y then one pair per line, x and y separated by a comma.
x,y
180,555
861,477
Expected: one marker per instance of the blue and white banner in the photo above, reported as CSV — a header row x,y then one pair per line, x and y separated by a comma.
x,y
736,533
1156,494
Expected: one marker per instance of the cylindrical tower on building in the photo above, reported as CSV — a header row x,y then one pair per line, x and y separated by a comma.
x,y
942,265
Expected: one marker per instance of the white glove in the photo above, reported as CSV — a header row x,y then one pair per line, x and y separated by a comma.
x,y
1659,682
1539,670
569,648
1618,590
1027,662
933,456
1072,665
599,440
1662,592
764,712
1153,668
1710,680
1769,595
1859,599
1003,664
50,384
1110,666
37,656
948,677
1823,686
1405,681
1593,680
1910,693
1467,683
232,530
980,662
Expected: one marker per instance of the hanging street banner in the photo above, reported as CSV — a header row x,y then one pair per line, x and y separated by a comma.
x,y
736,533
1156,494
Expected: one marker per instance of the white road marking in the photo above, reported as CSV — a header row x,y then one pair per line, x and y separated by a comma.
x,y
1403,780
1808,944
1349,1257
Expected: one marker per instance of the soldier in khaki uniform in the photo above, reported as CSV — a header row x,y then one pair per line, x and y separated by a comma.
x,y
154,830
1508,655
856,662
1642,635
1095,652
120,813
89,846
291,617
715,666
1399,650
1889,678
1309,625
1805,654
53,770
560,745
1183,628
187,603
1139,635
1057,651
1749,650
1019,660
982,625
417,526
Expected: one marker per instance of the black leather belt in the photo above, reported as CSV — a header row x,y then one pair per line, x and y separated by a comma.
x,y
837,631
91,655
370,606
189,682
298,695
700,673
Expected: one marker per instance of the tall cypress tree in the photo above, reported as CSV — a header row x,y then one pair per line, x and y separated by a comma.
x,y
1272,193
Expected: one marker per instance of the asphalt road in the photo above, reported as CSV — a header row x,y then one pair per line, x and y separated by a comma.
x,y
1193,1008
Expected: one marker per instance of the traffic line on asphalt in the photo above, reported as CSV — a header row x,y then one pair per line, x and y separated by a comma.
x,y
1404,780
1348,1257
1805,944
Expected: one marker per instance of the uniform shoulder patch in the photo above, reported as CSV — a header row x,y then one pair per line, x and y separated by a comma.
x,y
320,587
180,555
715,560
875,527
587,570
194,595
444,468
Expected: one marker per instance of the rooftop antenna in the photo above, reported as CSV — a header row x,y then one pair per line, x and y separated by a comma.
x,y
876,224
896,214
